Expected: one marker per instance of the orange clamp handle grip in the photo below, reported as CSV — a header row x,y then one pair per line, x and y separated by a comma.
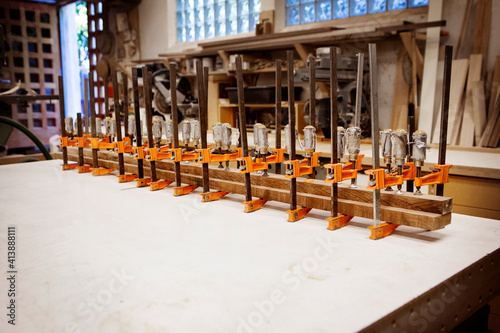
x,y
433,178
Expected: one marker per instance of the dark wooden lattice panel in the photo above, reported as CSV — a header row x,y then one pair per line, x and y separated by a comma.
x,y
31,29
97,23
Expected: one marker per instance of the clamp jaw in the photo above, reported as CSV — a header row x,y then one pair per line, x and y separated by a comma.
x,y
178,155
380,180
124,146
206,156
156,154
297,168
439,175
249,164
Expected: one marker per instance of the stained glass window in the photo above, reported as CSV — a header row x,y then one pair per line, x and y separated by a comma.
x,y
200,19
308,11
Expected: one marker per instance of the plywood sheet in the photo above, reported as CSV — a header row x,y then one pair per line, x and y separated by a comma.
x,y
467,129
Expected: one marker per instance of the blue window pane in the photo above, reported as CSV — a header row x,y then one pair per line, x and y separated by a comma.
x,y
243,7
180,19
189,16
324,10
306,1
255,6
190,33
180,5
209,30
231,26
358,7
199,15
418,3
220,28
307,13
243,24
181,34
209,13
397,4
200,32
254,19
292,15
209,2
189,4
292,2
220,10
377,6
231,9
340,8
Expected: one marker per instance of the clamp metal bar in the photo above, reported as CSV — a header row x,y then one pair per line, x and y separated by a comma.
x,y
372,50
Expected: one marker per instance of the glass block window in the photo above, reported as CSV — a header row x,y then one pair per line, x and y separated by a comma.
x,y
308,11
200,19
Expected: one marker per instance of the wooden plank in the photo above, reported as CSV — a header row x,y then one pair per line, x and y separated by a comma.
x,y
410,44
492,120
404,216
400,98
428,95
479,107
413,26
495,137
459,69
458,51
424,203
482,30
467,129
495,86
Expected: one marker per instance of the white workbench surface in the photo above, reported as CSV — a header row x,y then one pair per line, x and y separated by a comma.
x,y
197,267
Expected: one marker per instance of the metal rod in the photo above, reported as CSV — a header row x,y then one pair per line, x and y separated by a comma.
x,y
62,116
359,89
138,127
148,81
291,118
175,118
93,126
202,102
79,133
312,91
116,98
277,116
448,58
411,129
333,124
243,125
125,104
106,96
86,104
372,51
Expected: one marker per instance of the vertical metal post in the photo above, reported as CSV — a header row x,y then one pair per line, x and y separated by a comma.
x,y
86,113
93,126
147,78
333,124
243,125
411,129
116,98
62,116
359,89
291,118
138,127
372,49
277,116
79,130
448,58
312,91
175,118
202,101
125,104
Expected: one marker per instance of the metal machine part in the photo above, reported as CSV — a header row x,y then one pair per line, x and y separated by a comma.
x,y
288,138
69,126
217,134
419,153
385,138
98,127
157,129
235,136
131,130
169,131
353,147
186,131
255,136
226,136
112,127
195,132
263,143
309,144
340,142
107,125
399,146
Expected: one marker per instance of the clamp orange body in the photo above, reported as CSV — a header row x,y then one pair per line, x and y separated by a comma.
x,y
411,172
206,156
97,143
180,156
67,142
383,180
155,155
340,173
301,167
439,177
124,146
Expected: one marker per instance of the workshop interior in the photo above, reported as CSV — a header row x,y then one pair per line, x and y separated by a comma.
x,y
250,165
